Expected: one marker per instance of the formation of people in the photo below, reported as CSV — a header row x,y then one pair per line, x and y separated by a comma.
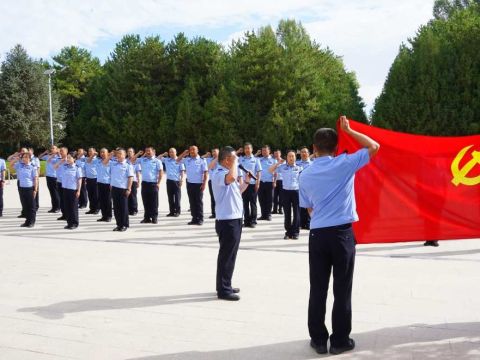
x,y
107,183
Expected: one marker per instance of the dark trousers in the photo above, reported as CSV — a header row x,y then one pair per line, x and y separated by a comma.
x,y
105,200
249,197
92,192
37,199
83,199
265,198
229,233
331,247
304,218
1,197
70,202
53,190
212,198
174,193
150,200
195,197
132,200
60,196
21,199
277,196
120,206
28,204
291,204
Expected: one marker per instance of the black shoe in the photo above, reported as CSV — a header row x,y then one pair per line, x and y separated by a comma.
x,y
320,349
229,297
90,212
108,219
211,216
123,228
24,225
145,221
116,229
170,214
236,290
338,350
295,237
154,221
21,216
101,219
82,207
176,215
274,212
280,212
56,211
51,211
62,218
134,213
1,215
261,218
269,218
286,237
431,243
253,226
95,212
70,227
199,223
192,223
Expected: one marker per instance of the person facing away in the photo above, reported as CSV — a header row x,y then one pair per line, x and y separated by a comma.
x,y
327,191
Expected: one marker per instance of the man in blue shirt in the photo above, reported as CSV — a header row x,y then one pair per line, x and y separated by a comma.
x,y
327,191
152,172
212,166
3,170
80,161
229,210
71,185
197,177
175,175
51,176
252,164
12,159
304,162
36,162
57,165
103,185
265,191
121,180
278,186
91,181
132,198
27,177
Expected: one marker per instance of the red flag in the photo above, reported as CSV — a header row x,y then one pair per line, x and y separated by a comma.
x,y
416,188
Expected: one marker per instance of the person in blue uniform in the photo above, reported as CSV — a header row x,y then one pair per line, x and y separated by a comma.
x,y
12,159
103,185
252,164
36,162
175,176
278,186
71,185
51,177
91,181
212,166
121,181
80,161
3,170
27,175
197,179
228,225
152,173
290,173
304,162
327,191
57,165
132,198
265,191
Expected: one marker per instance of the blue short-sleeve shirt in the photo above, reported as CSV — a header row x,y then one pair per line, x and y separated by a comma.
x,y
173,168
3,167
70,176
91,167
266,163
119,174
228,198
290,176
195,168
50,171
103,172
327,187
252,164
150,168
26,174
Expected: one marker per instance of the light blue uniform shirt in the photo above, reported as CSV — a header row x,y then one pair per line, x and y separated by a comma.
x,y
35,161
136,168
91,168
173,168
290,176
50,171
211,171
59,169
103,172
81,164
26,174
304,163
150,168
266,163
3,167
228,198
195,168
70,176
119,174
327,187
252,164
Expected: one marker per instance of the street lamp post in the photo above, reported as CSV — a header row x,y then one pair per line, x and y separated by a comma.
x,y
49,72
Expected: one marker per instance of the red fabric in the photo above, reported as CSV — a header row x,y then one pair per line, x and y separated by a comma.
x,y
407,192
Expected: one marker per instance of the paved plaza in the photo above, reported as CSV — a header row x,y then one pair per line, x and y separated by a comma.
x,y
149,293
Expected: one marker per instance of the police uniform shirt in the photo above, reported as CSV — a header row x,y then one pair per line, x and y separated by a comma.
x,y
266,163
3,167
327,187
35,161
103,172
195,168
119,174
173,168
136,168
211,171
304,163
81,164
91,168
26,174
150,167
290,176
59,169
252,164
228,197
70,176
50,171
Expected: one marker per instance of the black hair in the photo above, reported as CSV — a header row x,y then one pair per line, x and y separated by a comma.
x,y
325,140
224,153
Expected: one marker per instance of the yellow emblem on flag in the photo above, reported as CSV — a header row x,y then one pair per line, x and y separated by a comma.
x,y
460,175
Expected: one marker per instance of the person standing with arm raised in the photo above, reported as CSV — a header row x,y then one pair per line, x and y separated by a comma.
x,y
121,182
151,173
27,175
91,181
3,170
71,184
103,185
252,164
327,191
175,175
51,175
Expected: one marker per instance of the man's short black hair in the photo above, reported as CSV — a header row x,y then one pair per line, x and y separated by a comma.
x,y
224,153
325,140
266,147
247,144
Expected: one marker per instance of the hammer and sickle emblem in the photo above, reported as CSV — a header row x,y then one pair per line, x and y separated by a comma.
x,y
460,175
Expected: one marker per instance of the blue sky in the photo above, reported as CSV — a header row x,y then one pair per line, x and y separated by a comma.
x,y
366,33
